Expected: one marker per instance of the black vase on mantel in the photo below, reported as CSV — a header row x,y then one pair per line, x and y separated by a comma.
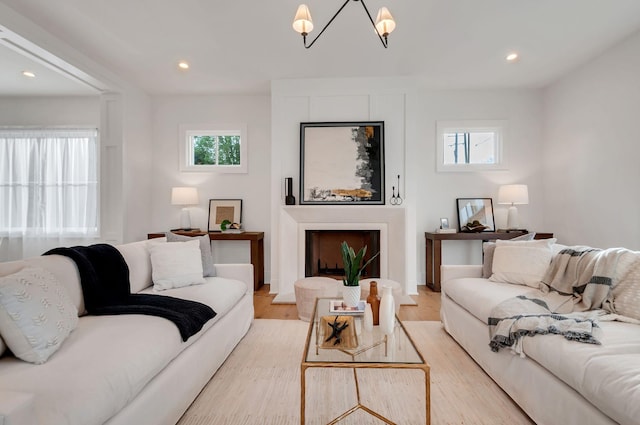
x,y
289,199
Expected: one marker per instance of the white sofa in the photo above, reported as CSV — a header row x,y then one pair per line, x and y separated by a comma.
x,y
126,369
557,381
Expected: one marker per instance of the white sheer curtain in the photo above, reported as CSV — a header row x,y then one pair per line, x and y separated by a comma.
x,y
48,189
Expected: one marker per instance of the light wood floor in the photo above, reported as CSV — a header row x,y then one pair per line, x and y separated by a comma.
x,y
428,307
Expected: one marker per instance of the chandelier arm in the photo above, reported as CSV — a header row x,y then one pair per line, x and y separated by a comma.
x,y
329,23
384,41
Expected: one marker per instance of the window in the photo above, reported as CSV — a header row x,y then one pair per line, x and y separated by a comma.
x,y
213,147
470,145
48,182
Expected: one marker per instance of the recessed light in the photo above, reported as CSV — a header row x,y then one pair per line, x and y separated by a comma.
x,y
183,65
512,57
28,74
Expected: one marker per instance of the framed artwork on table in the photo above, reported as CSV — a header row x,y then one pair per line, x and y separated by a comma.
x,y
342,163
471,210
224,209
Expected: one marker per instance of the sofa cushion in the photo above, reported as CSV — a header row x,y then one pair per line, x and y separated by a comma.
x,y
479,296
205,250
521,263
488,249
108,360
607,375
176,264
36,315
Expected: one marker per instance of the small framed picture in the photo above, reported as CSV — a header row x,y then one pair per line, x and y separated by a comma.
x,y
444,223
224,209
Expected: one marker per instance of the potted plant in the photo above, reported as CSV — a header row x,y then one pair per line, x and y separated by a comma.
x,y
353,268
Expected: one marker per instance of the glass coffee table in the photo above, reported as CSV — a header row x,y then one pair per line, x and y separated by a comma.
x,y
355,349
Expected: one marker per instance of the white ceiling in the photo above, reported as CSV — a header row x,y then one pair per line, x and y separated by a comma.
x,y
240,46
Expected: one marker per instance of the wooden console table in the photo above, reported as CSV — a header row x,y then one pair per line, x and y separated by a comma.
x,y
434,248
257,248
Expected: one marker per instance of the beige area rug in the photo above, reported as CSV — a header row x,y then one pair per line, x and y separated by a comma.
x,y
260,384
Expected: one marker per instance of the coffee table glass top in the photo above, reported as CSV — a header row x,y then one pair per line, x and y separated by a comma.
x,y
356,344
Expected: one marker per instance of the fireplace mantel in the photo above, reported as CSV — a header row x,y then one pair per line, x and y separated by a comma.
x,y
294,220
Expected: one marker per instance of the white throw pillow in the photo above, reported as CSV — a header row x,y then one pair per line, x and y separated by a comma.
x,y
36,315
176,264
489,247
208,269
521,263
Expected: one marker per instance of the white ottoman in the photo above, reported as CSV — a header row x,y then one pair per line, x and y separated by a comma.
x,y
310,288
396,289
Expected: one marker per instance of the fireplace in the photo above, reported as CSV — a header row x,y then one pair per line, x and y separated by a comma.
x,y
323,256
288,254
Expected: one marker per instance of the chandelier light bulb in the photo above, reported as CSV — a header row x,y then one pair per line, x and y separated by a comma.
x,y
302,22
385,24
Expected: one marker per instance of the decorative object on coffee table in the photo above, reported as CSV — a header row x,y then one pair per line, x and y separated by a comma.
x,y
338,332
387,310
374,300
353,268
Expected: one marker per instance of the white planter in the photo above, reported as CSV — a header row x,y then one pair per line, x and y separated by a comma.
x,y
351,295
387,310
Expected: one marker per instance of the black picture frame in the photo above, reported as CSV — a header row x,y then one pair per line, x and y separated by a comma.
x,y
221,209
470,209
342,163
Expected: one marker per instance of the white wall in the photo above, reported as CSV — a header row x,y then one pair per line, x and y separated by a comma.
x,y
169,112
435,192
591,151
410,113
50,111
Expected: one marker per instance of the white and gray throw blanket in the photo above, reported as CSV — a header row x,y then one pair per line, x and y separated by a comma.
x,y
575,290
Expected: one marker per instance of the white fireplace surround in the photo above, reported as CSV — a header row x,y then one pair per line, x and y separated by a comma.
x,y
295,220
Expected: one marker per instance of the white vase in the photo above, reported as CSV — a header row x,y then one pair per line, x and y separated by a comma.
x,y
387,310
368,318
351,295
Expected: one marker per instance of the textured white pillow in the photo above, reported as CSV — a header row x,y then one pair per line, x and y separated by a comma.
x,y
489,247
176,264
208,269
521,263
36,315
626,294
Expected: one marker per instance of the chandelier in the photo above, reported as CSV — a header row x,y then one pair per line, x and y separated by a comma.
x,y
383,25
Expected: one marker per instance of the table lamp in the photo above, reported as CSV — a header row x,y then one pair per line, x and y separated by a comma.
x,y
184,196
513,194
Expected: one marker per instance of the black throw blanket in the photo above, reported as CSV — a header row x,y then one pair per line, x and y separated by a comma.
x,y
104,276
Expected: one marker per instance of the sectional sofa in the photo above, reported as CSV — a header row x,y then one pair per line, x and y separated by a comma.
x,y
553,379
125,369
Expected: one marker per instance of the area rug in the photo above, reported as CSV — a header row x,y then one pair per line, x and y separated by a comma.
x,y
260,384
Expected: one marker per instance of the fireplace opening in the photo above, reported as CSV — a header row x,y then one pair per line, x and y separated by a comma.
x,y
323,256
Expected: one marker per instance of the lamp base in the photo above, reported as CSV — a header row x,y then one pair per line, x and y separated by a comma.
x,y
185,219
512,218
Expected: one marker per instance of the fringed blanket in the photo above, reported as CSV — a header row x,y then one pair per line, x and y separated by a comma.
x,y
104,276
577,283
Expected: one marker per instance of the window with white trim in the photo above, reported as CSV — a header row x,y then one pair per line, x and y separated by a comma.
x,y
470,145
49,181
213,147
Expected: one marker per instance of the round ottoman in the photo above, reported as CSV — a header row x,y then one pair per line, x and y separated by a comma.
x,y
310,288
395,288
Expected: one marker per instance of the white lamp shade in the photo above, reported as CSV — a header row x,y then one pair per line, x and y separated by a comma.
x,y
302,22
385,24
513,194
184,196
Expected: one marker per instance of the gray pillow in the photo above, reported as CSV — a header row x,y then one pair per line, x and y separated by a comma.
x,y
488,248
205,249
